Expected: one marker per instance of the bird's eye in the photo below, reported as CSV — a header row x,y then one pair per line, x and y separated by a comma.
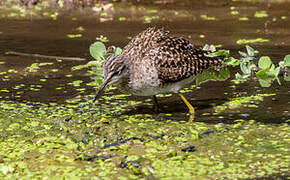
x,y
116,73
119,71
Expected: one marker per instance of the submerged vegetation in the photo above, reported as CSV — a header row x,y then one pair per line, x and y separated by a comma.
x,y
242,122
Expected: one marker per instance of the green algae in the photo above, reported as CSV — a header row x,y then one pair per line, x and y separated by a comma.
x,y
74,35
206,17
239,102
261,14
34,67
247,41
50,140
243,18
76,83
234,12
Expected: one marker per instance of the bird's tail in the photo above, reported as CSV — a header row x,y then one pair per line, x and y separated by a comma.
x,y
206,59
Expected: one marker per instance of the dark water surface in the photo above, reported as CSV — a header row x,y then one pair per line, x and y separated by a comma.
x,y
43,35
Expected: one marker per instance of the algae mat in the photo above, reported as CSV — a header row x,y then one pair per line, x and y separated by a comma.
x,y
48,141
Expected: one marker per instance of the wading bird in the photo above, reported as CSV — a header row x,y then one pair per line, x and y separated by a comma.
x,y
154,62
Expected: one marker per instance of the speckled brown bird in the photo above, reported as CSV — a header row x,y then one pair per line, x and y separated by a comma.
x,y
155,62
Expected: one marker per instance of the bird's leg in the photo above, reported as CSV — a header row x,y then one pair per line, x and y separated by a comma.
x,y
190,107
156,105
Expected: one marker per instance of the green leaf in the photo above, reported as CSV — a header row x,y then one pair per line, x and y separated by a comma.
x,y
212,48
225,53
118,51
242,77
250,50
272,67
238,76
243,54
205,47
232,61
265,83
287,60
97,50
224,74
273,72
277,71
212,75
282,64
262,74
245,69
278,80
264,62
95,63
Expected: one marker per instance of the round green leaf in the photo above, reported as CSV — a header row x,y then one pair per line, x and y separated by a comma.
x,y
264,62
97,50
287,60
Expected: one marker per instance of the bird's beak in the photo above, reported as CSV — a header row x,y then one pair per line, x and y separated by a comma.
x,y
101,89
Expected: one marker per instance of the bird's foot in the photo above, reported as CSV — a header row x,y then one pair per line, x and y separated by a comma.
x,y
191,115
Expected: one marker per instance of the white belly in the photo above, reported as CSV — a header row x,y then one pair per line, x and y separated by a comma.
x,y
167,88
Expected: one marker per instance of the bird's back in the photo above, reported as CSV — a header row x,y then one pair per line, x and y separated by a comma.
x,y
144,42
160,59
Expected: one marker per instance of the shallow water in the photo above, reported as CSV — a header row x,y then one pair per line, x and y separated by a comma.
x,y
50,129
43,35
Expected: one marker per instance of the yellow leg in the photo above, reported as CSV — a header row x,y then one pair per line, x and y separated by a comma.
x,y
190,107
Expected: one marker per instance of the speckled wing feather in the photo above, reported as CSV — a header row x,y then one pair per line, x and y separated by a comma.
x,y
177,59
143,43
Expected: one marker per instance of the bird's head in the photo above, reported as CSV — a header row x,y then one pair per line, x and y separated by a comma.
x,y
115,69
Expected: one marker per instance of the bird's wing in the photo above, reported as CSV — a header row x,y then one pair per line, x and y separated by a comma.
x,y
177,59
